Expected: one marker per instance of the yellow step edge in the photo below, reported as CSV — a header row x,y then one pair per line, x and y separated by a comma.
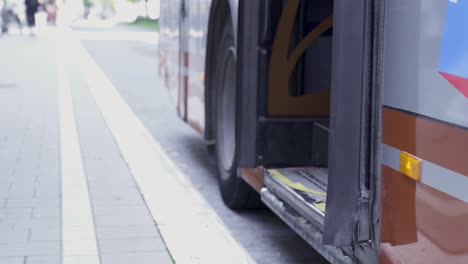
x,y
295,185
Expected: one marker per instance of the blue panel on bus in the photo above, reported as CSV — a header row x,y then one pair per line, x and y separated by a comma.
x,y
453,63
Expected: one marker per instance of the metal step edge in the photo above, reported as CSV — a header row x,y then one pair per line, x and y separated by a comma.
x,y
304,228
295,200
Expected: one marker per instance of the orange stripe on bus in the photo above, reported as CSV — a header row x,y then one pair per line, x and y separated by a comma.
x,y
435,141
416,218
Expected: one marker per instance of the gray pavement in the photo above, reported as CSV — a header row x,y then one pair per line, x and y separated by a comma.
x,y
29,153
31,223
125,228
132,67
30,180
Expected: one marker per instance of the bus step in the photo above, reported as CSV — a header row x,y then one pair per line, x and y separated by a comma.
x,y
308,230
303,189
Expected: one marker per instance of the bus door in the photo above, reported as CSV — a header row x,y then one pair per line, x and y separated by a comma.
x,y
310,97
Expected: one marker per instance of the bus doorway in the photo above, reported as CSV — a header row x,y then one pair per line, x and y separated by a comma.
x,y
316,128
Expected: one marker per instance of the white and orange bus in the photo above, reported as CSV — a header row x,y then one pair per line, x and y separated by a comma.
x,y
349,119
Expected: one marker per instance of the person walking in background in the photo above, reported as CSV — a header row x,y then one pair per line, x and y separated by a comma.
x,y
8,16
31,9
51,9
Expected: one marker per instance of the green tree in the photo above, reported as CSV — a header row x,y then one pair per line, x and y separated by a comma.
x,y
88,3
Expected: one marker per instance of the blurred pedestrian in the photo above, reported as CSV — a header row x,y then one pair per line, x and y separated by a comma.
x,y
31,9
87,8
51,10
8,16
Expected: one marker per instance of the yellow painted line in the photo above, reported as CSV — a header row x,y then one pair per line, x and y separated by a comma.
x,y
320,206
295,185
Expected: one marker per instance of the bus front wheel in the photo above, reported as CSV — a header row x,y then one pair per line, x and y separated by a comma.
x,y
236,193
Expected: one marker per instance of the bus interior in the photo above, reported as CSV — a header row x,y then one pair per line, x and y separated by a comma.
x,y
314,138
309,91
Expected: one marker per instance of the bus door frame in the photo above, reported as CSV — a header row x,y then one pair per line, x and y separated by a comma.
x,y
353,202
353,197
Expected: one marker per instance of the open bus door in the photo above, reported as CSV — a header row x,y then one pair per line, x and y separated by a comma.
x,y
338,133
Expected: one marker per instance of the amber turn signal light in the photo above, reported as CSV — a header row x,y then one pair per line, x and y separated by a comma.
x,y
410,166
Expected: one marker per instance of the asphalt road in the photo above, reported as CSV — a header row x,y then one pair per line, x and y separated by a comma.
x,y
132,67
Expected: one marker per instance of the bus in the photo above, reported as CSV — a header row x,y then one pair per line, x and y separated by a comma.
x,y
348,119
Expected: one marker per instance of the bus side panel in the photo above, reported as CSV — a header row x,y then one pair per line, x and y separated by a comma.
x,y
423,221
169,46
197,36
184,28
198,18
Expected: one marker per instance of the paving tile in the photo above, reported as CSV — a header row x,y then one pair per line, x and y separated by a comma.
x,y
141,231
13,236
39,212
48,193
100,191
8,157
25,172
109,179
118,201
12,260
107,172
49,177
4,187
131,245
50,184
6,172
124,218
32,202
6,180
24,188
31,222
48,223
138,209
51,234
15,213
17,194
44,260
6,227
137,257
29,249
120,183
21,181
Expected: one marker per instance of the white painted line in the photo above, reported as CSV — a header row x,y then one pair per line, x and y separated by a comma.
x,y
192,231
146,37
79,239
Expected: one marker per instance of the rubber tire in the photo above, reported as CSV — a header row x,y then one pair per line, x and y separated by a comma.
x,y
236,193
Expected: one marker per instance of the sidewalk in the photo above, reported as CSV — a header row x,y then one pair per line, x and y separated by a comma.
x,y
29,154
68,194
